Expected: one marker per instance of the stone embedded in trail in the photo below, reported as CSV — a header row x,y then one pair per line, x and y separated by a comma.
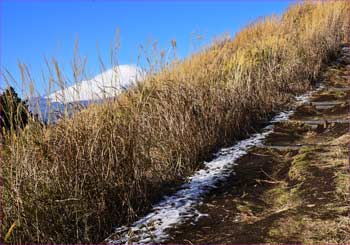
x,y
316,103
340,89
324,122
294,147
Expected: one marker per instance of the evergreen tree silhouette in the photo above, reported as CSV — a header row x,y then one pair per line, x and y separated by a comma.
x,y
14,113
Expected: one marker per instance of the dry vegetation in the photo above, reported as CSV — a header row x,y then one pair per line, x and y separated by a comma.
x,y
75,180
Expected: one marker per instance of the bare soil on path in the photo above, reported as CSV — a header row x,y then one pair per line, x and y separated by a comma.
x,y
295,188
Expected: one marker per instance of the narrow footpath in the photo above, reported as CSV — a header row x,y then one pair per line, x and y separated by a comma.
x,y
292,189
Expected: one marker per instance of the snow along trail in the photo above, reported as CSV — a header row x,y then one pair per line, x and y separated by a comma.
x,y
180,207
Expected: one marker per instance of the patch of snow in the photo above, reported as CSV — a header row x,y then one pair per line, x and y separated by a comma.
x,y
180,207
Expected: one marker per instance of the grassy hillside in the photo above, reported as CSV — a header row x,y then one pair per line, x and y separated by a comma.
x,y
76,180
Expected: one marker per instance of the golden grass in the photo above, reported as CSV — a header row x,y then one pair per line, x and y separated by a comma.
x,y
75,180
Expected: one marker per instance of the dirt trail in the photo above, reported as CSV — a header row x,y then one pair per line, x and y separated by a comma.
x,y
295,188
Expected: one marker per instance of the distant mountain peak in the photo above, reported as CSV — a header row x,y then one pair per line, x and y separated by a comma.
x,y
107,84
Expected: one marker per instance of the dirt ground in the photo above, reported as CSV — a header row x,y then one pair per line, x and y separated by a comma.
x,y
295,189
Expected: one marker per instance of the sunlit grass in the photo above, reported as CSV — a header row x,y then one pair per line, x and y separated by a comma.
x,y
75,180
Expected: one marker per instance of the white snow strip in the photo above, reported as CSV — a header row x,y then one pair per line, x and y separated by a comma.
x,y
179,207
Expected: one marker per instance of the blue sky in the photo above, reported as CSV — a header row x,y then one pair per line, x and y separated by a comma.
x,y
31,30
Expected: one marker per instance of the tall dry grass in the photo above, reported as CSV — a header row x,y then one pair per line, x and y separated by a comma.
x,y
75,180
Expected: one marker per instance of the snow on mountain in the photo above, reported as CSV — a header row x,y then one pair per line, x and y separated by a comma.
x,y
107,84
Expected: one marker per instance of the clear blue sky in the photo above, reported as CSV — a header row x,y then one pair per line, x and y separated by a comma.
x,y
31,30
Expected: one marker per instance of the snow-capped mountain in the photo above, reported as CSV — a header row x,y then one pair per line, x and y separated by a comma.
x,y
107,84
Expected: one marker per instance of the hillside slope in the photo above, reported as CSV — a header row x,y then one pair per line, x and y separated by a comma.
x,y
76,180
293,189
